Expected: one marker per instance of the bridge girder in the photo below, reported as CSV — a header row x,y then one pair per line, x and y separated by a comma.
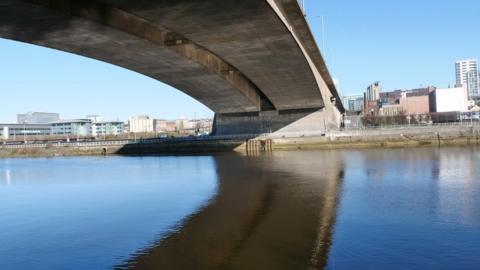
x,y
233,56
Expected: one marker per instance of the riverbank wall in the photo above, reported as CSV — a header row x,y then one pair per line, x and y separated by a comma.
x,y
367,138
384,137
128,148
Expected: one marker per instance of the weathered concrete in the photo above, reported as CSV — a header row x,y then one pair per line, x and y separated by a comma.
x,y
290,121
109,34
387,137
233,56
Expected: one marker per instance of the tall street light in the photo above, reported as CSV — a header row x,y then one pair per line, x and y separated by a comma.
x,y
25,131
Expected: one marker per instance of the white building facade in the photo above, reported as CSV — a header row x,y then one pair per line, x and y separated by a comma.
x,y
466,74
73,127
4,131
140,124
451,99
76,127
107,128
23,131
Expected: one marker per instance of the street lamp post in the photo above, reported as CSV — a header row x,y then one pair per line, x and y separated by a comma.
x,y
25,131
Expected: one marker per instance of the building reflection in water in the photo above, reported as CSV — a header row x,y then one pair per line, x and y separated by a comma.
x,y
457,186
5,173
412,208
274,211
447,176
8,177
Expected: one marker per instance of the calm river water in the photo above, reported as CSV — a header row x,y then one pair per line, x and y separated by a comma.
x,y
349,209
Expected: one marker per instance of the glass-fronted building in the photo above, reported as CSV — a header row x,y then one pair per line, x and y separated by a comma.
x,y
76,127
19,131
107,128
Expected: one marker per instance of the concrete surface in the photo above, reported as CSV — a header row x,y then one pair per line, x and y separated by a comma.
x,y
235,57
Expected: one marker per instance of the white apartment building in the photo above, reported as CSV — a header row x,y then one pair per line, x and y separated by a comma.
x,y
466,73
140,124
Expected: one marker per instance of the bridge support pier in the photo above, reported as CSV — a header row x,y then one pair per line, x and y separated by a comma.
x,y
301,122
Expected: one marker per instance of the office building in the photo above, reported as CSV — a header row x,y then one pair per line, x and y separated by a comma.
x,y
371,108
75,127
104,128
90,126
107,128
140,124
449,100
353,103
415,102
409,102
373,92
23,131
390,98
466,73
37,118
86,127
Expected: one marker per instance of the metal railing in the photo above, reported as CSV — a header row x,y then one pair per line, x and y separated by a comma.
x,y
413,126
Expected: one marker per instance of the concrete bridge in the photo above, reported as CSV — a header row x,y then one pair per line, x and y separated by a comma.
x,y
255,63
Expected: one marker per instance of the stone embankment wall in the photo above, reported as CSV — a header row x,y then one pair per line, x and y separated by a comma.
x,y
181,146
388,137
391,137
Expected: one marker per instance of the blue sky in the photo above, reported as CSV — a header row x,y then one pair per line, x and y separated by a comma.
x,y
403,43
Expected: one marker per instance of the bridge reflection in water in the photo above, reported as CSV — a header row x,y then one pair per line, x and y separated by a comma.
x,y
277,214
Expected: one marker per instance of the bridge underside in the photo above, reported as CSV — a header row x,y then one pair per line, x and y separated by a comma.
x,y
253,62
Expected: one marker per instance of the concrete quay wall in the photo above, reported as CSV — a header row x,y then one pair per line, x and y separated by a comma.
x,y
388,137
186,146
392,137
